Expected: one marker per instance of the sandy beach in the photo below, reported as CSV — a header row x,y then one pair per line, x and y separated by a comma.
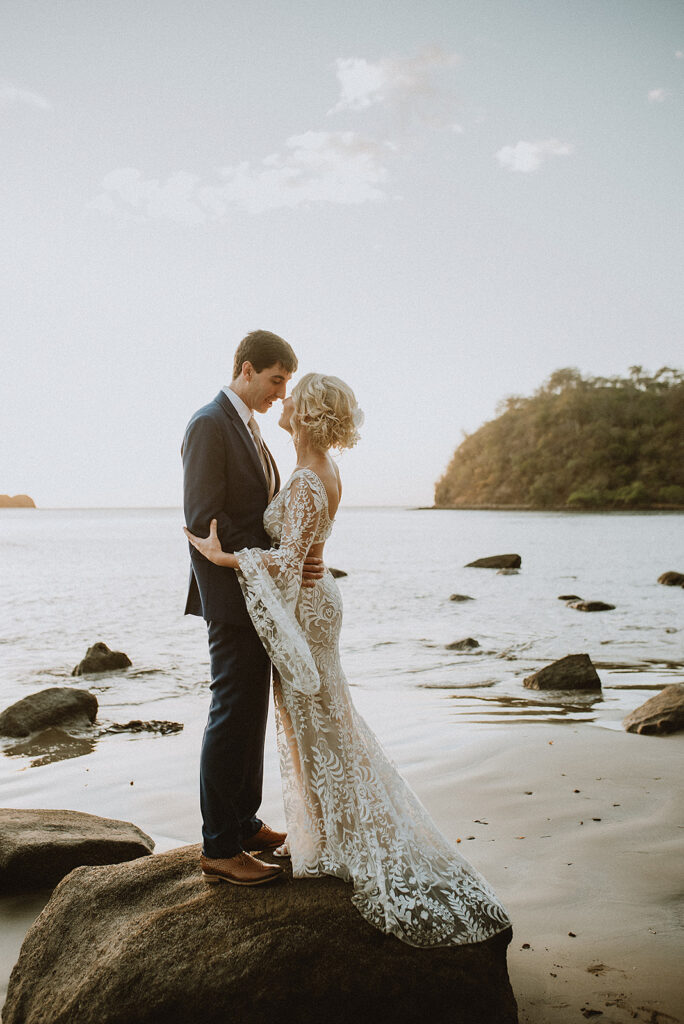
x,y
578,828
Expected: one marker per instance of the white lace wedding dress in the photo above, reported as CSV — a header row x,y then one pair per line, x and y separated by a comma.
x,y
349,812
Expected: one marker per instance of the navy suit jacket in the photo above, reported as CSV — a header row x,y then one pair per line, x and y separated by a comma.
x,y
223,479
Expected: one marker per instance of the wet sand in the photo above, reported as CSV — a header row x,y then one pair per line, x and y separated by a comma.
x,y
577,827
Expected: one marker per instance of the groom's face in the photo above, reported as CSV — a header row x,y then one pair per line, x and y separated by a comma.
x,y
266,387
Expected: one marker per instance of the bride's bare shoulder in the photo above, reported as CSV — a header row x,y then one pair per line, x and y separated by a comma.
x,y
329,475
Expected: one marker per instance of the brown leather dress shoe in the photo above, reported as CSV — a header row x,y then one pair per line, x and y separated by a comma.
x,y
242,869
265,839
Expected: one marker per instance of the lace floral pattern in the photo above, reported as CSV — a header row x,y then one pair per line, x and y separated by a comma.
x,y
349,812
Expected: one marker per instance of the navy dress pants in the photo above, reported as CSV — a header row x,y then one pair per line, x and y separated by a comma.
x,y
232,759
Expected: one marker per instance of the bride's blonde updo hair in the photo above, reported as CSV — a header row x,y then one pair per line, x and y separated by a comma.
x,y
327,407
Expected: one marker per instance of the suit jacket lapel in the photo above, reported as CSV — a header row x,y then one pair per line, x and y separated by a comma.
x,y
246,438
276,474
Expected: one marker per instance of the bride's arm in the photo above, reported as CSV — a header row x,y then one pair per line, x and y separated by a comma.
x,y
211,548
302,512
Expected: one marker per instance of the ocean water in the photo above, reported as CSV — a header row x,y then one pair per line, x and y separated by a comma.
x,y
72,577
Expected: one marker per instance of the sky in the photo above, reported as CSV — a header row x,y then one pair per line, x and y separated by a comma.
x,y
440,202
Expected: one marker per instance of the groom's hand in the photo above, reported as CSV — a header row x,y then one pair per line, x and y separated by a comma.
x,y
312,571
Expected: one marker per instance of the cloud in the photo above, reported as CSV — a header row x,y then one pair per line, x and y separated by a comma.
x,y
657,95
529,156
314,167
11,95
390,80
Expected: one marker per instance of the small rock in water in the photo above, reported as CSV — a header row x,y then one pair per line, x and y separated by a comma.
x,y
99,658
573,672
463,645
56,705
337,573
461,597
672,579
496,562
591,606
153,726
569,597
662,714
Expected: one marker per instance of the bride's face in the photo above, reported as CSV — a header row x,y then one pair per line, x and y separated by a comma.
x,y
286,414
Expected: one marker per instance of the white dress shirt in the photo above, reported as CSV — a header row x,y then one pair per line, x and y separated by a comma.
x,y
243,411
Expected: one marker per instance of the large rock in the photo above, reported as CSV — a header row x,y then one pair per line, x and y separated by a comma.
x,y
56,705
496,562
661,714
99,658
338,574
672,579
39,847
573,672
150,941
591,606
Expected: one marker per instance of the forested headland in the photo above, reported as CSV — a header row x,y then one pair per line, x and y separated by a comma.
x,y
577,443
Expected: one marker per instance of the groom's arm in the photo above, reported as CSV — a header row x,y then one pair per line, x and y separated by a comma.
x,y
205,486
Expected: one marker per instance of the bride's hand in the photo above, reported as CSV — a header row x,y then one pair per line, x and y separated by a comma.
x,y
210,546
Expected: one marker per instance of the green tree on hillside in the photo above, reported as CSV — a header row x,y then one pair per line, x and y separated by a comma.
x,y
578,442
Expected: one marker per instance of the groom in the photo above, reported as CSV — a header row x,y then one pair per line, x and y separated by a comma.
x,y
230,475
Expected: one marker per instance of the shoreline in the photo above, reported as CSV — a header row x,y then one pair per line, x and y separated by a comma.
x,y
574,826
660,509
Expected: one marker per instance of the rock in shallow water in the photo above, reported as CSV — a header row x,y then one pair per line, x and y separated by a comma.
x,y
99,658
496,562
40,847
660,715
150,941
591,606
337,574
461,597
54,706
672,579
573,672
463,645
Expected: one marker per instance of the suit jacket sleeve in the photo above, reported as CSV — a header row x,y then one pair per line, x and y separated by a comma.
x,y
205,485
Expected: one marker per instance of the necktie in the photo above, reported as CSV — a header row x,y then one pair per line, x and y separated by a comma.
x,y
263,456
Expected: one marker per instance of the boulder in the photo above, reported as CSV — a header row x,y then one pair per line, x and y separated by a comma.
x,y
672,579
164,728
56,705
591,606
461,597
661,714
463,645
573,672
39,847
99,658
496,562
150,941
569,597
337,573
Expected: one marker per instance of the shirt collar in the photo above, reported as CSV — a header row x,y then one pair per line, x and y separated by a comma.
x,y
243,411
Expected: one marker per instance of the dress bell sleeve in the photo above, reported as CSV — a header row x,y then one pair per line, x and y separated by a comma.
x,y
271,581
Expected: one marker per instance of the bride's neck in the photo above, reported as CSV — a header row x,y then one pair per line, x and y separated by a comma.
x,y
306,453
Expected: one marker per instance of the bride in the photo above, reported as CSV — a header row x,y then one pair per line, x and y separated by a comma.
x,y
349,812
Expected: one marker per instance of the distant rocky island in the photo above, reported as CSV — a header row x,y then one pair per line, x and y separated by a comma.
x,y
577,443
17,501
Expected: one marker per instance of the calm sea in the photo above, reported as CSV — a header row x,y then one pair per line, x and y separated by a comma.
x,y
70,578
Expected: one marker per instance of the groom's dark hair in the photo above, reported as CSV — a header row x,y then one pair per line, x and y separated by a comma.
x,y
263,349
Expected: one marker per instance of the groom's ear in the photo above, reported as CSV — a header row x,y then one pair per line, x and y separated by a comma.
x,y
246,370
